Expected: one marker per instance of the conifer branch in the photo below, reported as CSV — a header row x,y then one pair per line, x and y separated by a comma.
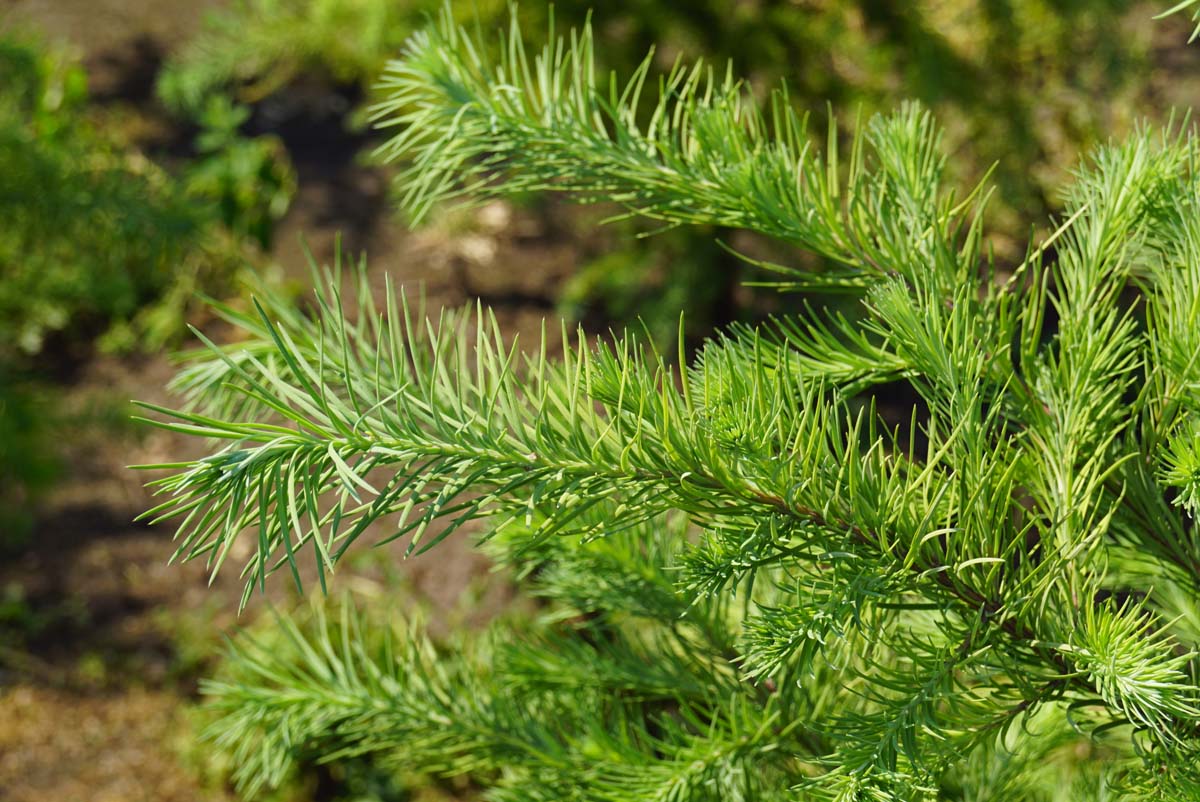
x,y
705,154
753,585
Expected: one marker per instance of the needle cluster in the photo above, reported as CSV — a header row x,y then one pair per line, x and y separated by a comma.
x,y
754,588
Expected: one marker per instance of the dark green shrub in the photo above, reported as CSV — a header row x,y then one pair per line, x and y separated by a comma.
x,y
88,233
249,179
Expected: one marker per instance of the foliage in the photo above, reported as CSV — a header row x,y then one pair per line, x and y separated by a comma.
x,y
255,47
97,237
100,246
1013,100
26,465
89,233
755,588
250,180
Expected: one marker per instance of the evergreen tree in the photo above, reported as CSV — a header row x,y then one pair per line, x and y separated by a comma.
x,y
755,588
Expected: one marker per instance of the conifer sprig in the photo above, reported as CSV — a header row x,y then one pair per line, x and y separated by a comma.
x,y
754,587
705,154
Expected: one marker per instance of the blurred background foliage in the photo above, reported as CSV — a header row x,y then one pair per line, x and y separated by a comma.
x,y
102,248
118,206
1022,87
90,232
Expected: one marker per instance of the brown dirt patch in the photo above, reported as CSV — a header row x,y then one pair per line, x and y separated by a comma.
x,y
65,745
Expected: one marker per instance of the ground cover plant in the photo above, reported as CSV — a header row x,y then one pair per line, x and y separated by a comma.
x,y
754,587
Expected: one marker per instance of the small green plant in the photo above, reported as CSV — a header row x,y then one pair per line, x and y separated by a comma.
x,y
754,588
87,233
249,179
